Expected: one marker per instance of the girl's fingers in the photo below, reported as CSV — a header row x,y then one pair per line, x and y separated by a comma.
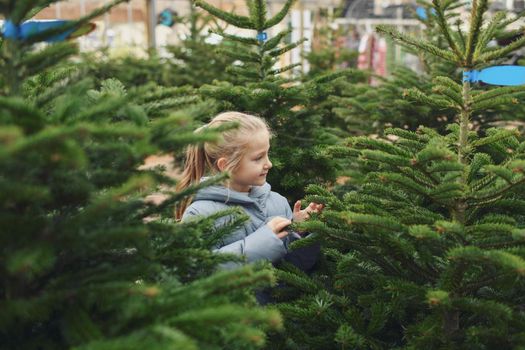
x,y
282,224
282,234
278,223
297,206
312,207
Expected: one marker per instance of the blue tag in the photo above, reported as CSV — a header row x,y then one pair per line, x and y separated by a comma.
x,y
422,13
262,36
497,75
166,17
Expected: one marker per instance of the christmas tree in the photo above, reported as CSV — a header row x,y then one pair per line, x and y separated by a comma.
x,y
86,261
428,252
368,109
329,51
193,61
129,69
259,87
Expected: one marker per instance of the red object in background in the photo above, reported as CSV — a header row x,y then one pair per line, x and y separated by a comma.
x,y
366,48
372,55
379,57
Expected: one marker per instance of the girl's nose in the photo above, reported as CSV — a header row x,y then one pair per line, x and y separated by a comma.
x,y
268,164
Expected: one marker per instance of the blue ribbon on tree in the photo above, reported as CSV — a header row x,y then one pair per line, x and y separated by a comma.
x,y
422,13
497,75
167,17
262,36
29,28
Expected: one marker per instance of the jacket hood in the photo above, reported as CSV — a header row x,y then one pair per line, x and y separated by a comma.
x,y
223,194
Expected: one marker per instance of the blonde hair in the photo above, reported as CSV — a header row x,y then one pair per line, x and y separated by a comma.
x,y
202,159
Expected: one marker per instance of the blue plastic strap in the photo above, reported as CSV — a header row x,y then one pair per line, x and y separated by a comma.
x,y
497,75
503,75
29,28
471,76
10,30
262,36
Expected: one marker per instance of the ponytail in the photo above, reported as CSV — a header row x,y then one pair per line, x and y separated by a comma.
x,y
194,168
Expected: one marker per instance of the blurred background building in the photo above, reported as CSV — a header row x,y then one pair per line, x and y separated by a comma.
x,y
135,26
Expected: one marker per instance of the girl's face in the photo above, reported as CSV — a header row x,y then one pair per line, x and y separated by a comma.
x,y
254,165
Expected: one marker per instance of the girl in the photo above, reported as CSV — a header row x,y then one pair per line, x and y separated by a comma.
x,y
243,152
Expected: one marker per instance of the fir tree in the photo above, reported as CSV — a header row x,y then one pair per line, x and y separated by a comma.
x,y
368,109
192,62
86,261
329,56
364,109
428,252
329,52
131,70
257,86
195,62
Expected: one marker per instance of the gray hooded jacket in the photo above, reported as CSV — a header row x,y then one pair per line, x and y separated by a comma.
x,y
256,241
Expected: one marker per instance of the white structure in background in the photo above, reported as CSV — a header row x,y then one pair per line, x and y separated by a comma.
x,y
514,5
308,33
380,6
302,27
125,29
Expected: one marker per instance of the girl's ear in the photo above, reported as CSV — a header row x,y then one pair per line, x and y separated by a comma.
x,y
221,163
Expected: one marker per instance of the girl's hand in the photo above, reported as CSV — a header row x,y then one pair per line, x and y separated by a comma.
x,y
302,215
277,225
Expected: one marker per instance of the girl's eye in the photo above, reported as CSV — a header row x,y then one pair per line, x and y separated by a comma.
x,y
258,158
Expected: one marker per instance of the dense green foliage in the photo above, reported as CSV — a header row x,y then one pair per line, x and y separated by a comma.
x,y
426,253
423,249
87,261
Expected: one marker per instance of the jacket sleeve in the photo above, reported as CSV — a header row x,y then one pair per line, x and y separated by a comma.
x,y
262,244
